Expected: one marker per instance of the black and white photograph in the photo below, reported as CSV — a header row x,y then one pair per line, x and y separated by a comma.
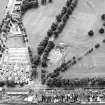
x,y
52,52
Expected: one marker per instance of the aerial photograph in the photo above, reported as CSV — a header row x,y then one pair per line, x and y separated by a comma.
x,y
52,52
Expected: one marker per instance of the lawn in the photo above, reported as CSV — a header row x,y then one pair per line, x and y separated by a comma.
x,y
38,21
3,4
75,35
17,42
86,17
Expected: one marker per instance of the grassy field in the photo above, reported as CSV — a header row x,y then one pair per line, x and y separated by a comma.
x,y
17,42
75,34
38,21
86,17
3,4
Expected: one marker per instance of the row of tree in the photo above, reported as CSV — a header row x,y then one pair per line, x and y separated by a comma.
x,y
42,45
57,28
65,66
8,83
43,2
5,28
61,19
43,76
49,47
76,83
34,63
28,4
62,68
46,46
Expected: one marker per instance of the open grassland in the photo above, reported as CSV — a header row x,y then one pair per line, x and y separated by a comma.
x,y
38,21
86,17
75,34
3,4
17,42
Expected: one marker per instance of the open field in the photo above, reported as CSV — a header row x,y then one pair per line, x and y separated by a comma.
x,y
75,34
3,4
38,21
86,17
17,42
